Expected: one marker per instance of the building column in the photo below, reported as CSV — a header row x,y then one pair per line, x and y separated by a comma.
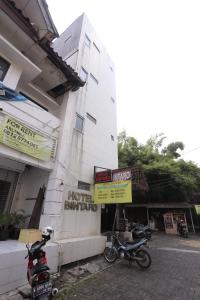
x,y
54,203
192,220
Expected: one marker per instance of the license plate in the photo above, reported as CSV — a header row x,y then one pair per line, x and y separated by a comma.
x,y
109,244
44,288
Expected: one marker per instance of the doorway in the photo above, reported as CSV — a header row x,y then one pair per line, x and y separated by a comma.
x,y
8,180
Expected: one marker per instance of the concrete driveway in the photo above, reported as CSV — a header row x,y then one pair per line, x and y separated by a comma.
x,y
174,274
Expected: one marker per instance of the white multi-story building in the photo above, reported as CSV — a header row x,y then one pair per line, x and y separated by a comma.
x,y
92,140
52,141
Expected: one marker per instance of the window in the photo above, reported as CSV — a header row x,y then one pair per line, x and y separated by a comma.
x,y
95,46
91,118
112,99
79,123
83,186
59,89
4,66
83,74
87,41
94,79
112,137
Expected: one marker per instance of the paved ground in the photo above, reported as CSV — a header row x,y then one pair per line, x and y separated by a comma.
x,y
175,274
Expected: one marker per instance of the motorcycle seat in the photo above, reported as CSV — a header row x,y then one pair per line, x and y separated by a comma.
x,y
40,269
131,242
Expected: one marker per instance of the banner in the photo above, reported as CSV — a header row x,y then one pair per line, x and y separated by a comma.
x,y
18,136
113,192
121,174
103,176
7,94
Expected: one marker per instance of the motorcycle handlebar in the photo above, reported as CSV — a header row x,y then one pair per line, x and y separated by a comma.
x,y
36,247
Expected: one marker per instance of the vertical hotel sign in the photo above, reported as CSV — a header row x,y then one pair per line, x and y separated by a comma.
x,y
113,192
21,137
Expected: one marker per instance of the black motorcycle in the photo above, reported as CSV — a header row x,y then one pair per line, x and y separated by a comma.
x,y
131,251
140,231
38,271
182,230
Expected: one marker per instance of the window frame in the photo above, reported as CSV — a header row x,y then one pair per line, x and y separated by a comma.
x,y
84,186
84,71
95,46
94,78
91,118
88,43
82,118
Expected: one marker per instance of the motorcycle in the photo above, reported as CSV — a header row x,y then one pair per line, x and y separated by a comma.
x,y
131,251
140,231
182,229
38,274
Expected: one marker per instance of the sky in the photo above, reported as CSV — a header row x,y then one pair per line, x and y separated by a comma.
x,y
155,45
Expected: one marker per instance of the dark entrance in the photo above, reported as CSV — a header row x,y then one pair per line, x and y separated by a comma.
x,y
8,180
4,192
107,217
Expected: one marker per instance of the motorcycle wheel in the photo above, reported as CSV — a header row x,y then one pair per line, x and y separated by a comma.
x,y
110,255
146,259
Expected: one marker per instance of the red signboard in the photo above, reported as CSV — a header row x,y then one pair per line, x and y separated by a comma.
x,y
104,176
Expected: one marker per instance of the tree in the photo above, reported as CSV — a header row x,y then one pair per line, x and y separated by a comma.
x,y
171,149
169,178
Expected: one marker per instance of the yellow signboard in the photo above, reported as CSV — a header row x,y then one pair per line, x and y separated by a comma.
x,y
197,208
18,136
113,192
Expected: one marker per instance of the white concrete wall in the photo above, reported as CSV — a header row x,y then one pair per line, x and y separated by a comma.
x,y
12,76
67,44
21,66
95,99
13,266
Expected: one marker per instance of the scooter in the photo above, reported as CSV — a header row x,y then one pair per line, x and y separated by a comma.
x,y
182,229
131,251
38,274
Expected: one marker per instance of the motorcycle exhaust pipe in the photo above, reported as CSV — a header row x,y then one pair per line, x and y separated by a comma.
x,y
54,291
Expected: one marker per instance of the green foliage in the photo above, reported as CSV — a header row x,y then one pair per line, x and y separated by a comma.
x,y
5,221
18,218
171,149
169,179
